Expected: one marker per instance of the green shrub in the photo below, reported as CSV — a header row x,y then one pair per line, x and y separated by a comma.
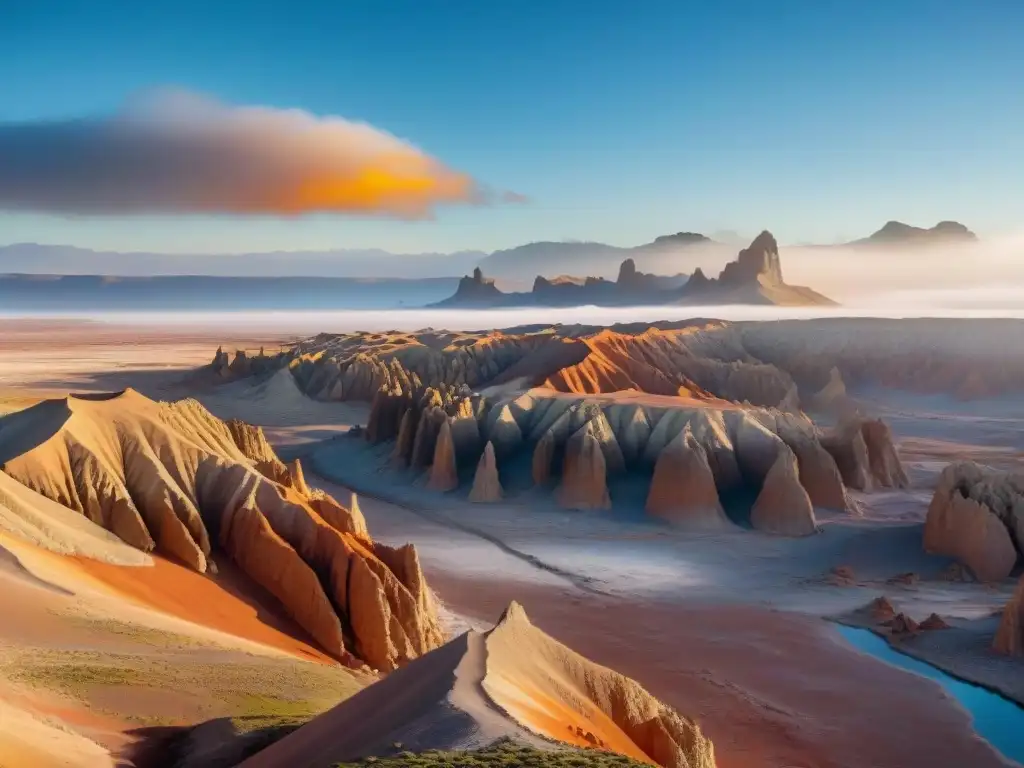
x,y
501,754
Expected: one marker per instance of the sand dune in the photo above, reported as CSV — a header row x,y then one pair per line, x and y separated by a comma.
x,y
512,681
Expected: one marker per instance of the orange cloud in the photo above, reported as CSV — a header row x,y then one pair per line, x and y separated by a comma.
x,y
174,152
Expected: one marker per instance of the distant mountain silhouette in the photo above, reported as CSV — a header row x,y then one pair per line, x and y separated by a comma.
x,y
898,233
681,252
754,277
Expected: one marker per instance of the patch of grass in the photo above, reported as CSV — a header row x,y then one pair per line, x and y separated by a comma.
x,y
220,684
76,677
501,754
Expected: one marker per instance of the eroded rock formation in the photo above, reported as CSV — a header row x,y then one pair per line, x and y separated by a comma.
x,y
486,485
444,474
683,488
584,473
174,479
976,515
783,506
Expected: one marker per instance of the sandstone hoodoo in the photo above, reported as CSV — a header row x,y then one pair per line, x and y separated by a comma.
x,y
631,394
683,488
783,506
486,485
513,681
975,516
173,479
584,475
444,474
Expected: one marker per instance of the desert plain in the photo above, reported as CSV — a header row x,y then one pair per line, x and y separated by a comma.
x,y
107,660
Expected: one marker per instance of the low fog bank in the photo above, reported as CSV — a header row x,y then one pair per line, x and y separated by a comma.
x,y
861,273
998,301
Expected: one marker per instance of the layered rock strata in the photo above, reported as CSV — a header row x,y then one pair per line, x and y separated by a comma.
x,y
174,479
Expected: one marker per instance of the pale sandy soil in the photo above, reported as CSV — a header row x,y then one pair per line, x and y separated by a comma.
x,y
109,652
727,628
49,358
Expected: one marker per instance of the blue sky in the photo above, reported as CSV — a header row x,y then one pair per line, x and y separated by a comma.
x,y
620,120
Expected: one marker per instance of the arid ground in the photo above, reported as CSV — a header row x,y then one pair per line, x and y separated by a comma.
x,y
732,629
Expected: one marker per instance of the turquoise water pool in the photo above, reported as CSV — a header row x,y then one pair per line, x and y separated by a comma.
x,y
996,719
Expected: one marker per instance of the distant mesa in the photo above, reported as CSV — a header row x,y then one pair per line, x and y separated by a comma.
x,y
898,233
754,277
679,238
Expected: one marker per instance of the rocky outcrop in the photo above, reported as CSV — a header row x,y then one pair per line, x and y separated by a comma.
x,y
884,462
167,475
1009,638
486,485
584,477
783,506
865,454
755,277
683,490
253,444
971,517
757,263
475,290
444,475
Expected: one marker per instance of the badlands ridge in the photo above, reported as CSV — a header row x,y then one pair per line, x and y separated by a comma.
x,y
124,479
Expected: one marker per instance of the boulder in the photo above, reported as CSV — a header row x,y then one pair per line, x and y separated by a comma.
x,y
486,485
783,506
584,481
683,488
444,474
